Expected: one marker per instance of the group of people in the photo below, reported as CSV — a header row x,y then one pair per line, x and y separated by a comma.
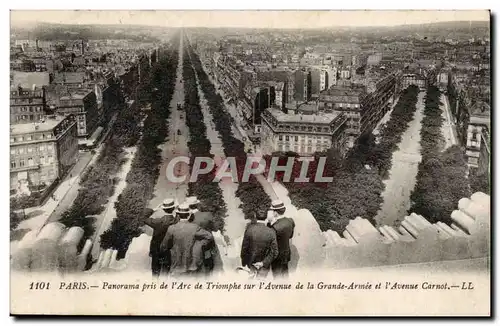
x,y
182,243
266,242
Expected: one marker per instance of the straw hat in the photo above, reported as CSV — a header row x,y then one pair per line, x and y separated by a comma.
x,y
193,200
277,204
168,203
183,209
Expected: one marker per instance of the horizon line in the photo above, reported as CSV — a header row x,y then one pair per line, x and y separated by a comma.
x,y
251,27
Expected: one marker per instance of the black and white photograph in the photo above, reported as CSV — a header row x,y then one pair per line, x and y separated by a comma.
x,y
303,160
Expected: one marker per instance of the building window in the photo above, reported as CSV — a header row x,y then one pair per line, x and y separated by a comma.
x,y
50,159
296,138
11,139
30,149
287,138
21,150
28,137
42,159
49,136
30,161
280,137
13,164
309,149
42,148
21,163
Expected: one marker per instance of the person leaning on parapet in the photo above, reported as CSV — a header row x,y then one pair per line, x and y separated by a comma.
x,y
160,261
259,247
284,227
179,241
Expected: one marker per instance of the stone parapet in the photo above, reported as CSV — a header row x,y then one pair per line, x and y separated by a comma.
x,y
416,240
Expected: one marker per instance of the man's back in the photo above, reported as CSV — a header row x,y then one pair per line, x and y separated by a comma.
x,y
180,239
204,220
284,228
160,227
259,245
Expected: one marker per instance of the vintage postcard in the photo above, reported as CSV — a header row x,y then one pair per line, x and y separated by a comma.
x,y
250,163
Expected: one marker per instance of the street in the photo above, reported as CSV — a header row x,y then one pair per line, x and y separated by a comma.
x,y
176,145
66,192
103,221
403,172
448,129
62,197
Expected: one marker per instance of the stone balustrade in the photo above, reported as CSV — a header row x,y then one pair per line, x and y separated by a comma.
x,y
416,240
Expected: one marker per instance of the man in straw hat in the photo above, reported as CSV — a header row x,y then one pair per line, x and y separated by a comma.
x,y
160,261
259,247
180,238
193,203
284,228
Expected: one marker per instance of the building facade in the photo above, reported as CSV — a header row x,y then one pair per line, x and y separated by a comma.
x,y
40,153
84,107
302,134
301,85
414,79
27,105
363,110
478,145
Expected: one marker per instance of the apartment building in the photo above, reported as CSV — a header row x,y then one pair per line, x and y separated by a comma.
x,y
82,104
26,104
41,152
478,146
414,79
302,134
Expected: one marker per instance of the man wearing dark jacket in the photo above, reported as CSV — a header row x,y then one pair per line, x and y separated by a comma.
x,y
205,252
284,228
180,239
160,261
259,247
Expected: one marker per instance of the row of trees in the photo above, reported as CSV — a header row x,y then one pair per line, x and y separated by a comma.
x,y
208,192
441,177
98,183
356,189
251,193
141,179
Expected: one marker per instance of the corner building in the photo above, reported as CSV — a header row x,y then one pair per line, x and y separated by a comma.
x,y
43,152
302,134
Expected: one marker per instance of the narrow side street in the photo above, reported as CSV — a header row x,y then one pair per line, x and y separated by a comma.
x,y
403,172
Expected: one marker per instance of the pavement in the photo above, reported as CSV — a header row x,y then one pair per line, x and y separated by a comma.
x,y
64,195
403,173
449,129
66,192
104,219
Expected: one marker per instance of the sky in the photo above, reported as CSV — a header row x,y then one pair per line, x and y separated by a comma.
x,y
262,19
